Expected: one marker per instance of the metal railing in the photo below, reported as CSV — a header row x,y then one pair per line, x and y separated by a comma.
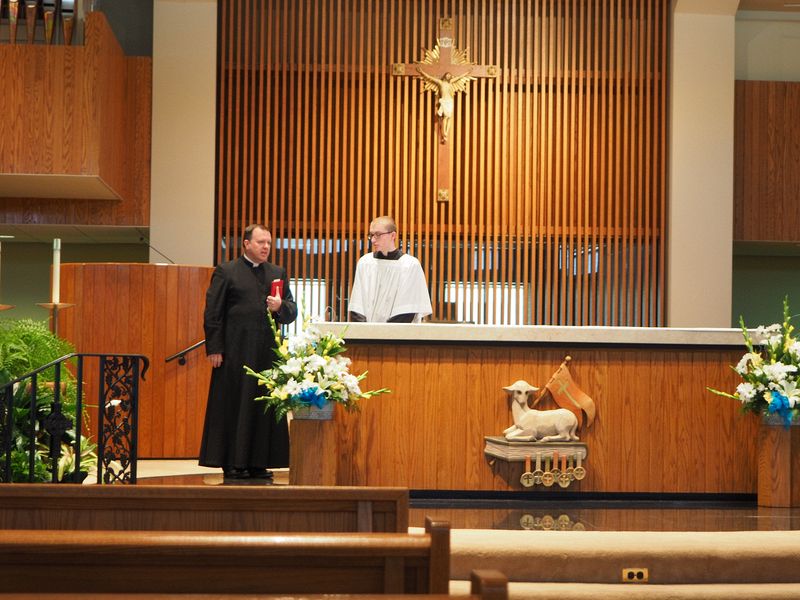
x,y
45,432
181,356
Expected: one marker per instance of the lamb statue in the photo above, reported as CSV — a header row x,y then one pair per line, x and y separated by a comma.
x,y
530,425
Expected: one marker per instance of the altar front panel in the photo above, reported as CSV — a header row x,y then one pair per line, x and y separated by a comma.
x,y
657,429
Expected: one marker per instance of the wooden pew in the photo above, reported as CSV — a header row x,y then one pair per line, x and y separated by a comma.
x,y
203,508
49,561
486,585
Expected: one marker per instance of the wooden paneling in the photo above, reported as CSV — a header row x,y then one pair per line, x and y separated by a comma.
x,y
77,110
767,152
155,310
156,562
558,164
657,428
779,466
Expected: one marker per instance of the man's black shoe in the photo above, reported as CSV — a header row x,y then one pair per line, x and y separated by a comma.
x,y
260,474
236,473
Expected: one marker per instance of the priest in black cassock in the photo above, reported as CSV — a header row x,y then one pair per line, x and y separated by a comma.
x,y
238,435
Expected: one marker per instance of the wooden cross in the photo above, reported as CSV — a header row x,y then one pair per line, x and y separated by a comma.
x,y
445,70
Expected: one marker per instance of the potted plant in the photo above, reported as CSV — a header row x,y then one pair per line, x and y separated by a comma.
x,y
769,372
24,346
310,375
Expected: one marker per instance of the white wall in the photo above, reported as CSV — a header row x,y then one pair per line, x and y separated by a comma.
x,y
184,117
700,203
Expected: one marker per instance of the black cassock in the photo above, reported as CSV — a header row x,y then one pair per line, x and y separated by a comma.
x,y
237,432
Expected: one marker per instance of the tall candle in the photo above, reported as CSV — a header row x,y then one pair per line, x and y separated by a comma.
x,y
56,271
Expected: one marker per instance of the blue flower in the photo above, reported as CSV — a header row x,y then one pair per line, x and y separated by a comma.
x,y
312,395
780,404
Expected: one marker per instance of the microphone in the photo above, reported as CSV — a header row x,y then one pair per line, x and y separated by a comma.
x,y
154,249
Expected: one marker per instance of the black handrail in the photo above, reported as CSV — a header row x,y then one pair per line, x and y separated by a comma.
x,y
118,402
181,356
66,357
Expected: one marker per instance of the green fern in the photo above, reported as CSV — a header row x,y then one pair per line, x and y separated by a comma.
x,y
26,345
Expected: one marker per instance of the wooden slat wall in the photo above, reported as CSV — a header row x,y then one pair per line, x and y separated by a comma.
x,y
152,310
559,164
657,429
78,110
766,155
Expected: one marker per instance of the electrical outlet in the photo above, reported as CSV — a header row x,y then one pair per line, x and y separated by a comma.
x,y
635,575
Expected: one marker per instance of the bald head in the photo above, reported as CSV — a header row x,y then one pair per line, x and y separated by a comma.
x,y
384,224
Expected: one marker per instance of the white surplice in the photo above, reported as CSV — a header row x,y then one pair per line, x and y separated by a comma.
x,y
386,288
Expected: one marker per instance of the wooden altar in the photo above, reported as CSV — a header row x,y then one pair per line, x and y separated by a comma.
x,y
657,430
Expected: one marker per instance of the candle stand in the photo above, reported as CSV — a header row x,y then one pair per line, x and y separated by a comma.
x,y
54,308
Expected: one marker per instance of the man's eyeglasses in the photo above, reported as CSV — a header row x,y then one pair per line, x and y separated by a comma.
x,y
376,234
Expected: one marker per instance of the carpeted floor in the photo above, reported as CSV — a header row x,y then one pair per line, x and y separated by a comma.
x,y
570,565
188,472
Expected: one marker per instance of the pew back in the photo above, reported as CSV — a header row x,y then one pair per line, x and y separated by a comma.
x,y
486,584
41,561
204,508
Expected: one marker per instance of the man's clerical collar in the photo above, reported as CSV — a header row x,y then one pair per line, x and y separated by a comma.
x,y
393,255
252,264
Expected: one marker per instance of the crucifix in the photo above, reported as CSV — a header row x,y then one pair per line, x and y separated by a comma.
x,y
445,70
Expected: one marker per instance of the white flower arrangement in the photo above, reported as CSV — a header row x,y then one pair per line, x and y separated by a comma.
x,y
769,370
310,370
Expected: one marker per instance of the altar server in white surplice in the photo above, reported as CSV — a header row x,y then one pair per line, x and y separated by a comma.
x,y
389,285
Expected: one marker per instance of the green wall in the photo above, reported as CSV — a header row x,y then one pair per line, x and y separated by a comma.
x,y
759,286
26,271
